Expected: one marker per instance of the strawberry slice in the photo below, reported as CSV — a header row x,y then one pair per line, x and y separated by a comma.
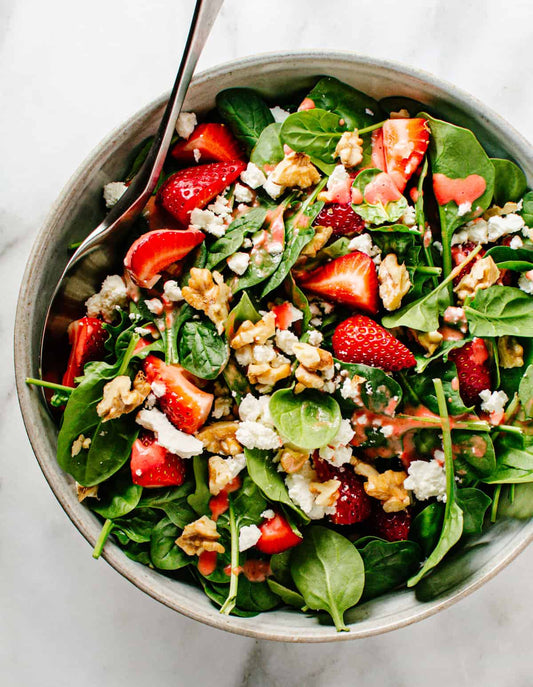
x,y
378,154
185,405
341,218
213,141
405,142
87,337
390,526
473,370
195,187
286,314
350,280
361,340
156,250
277,535
154,466
207,562
353,503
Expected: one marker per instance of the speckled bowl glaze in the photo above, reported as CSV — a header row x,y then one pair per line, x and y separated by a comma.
x,y
79,209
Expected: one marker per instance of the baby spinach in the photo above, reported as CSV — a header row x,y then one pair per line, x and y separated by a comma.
x,y
474,504
202,351
518,259
500,311
236,382
525,391
328,572
442,351
378,213
138,552
516,502
227,245
314,132
527,209
388,564
509,182
424,389
164,551
287,595
248,503
117,497
426,528
357,109
404,242
474,455
199,499
268,150
514,465
136,526
299,300
245,112
308,420
256,596
380,393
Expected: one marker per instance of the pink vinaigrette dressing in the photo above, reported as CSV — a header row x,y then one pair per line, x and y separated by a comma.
x,y
461,191
382,190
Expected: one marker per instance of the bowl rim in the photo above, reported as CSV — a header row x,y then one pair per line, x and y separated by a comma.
x,y
22,362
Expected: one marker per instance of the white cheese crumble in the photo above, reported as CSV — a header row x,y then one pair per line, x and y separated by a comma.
x,y
158,388
249,535
338,452
222,407
352,390
481,231
253,176
254,409
314,337
206,220
196,154
172,291
142,331
337,178
268,514
493,402
526,284
113,192
426,479
298,487
257,435
263,353
464,208
279,114
174,440
186,124
112,295
409,216
285,341
516,242
239,262
154,305
274,190
243,194
363,243
438,246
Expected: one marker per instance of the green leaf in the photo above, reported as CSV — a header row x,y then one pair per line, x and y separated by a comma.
x,y
314,132
378,213
138,525
527,209
356,108
422,314
427,527
245,112
268,150
117,497
518,259
423,387
256,596
227,245
202,351
510,182
388,564
164,551
248,504
308,420
525,391
287,595
474,504
199,499
500,311
516,502
328,572
474,454
404,242
442,351
514,466
244,310
299,300
380,393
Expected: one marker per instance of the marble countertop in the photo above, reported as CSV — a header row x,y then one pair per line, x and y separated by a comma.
x,y
69,75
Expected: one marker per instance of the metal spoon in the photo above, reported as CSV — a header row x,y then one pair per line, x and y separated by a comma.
x,y
97,254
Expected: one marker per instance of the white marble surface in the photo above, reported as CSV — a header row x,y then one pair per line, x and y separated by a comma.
x,y
69,74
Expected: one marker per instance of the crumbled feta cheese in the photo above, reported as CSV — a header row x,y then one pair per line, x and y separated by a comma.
x,y
493,402
172,291
363,243
409,216
113,192
186,124
426,479
154,305
338,177
257,435
239,262
314,337
142,331
222,407
247,243
275,248
501,226
254,409
516,242
351,389
196,154
242,194
268,514
326,307
174,440
158,388
315,321
453,315
464,209
387,430
249,535
298,484
150,401
206,220
112,295
438,246
253,176
338,452
525,283
244,356
285,341
263,353
314,309
279,114
221,207
274,190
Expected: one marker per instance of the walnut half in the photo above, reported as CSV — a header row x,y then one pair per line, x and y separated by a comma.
x,y
484,273
386,487
394,282
119,398
220,438
199,536
206,291
296,169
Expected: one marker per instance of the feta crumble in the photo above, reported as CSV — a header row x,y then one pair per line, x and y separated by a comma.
x,y
274,190
464,209
254,409
363,243
253,176
196,154
409,216
516,242
243,194
338,452
239,262
206,220
113,192
249,535
172,291
426,479
112,295
488,231
314,337
298,486
222,407
525,283
285,341
268,514
493,402
186,124
154,305
174,440
257,435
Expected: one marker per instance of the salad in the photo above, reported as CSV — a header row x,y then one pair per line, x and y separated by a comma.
x,y
312,377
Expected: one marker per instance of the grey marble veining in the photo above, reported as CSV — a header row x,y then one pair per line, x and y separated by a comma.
x,y
68,75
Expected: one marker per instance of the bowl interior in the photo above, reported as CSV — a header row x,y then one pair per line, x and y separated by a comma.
x,y
80,208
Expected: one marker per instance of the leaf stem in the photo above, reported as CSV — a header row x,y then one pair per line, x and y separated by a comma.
x,y
373,127
128,354
229,604
49,385
102,538
446,445
495,502
421,220
423,269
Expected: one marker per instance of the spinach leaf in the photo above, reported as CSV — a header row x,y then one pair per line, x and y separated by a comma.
x,y
378,213
264,473
509,182
499,311
404,242
137,526
117,497
199,499
248,504
299,300
245,112
308,420
287,595
525,391
179,512
518,259
328,572
423,387
218,593
474,504
516,502
527,209
202,351
236,382
443,352
227,245
356,108
474,455
164,551
268,150
244,310
160,498
256,596
427,527
314,132
388,564
137,552
513,466
380,393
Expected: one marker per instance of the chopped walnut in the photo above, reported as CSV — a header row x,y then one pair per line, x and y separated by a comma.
x,y
327,492
265,373
220,438
199,536
258,333
350,148
78,444
86,492
429,341
307,380
206,291
394,282
313,358
296,169
510,352
119,398
318,241
292,460
386,487
483,274
222,472
400,114
496,211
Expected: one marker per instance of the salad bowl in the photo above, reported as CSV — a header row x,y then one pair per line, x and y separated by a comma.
x,y
79,210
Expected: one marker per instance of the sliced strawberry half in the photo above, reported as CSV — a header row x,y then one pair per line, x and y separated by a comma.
x,y
185,405
214,142
154,466
405,142
378,154
277,536
157,250
350,280
353,503
361,340
87,337
341,218
194,187
473,370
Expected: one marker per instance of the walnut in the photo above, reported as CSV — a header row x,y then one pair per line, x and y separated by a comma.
x,y
510,352
199,536
86,492
296,169
318,241
292,460
307,380
394,282
206,291
327,492
258,333
429,341
484,273
350,148
400,114
222,471
265,373
386,487
313,358
119,398
507,209
78,444
220,438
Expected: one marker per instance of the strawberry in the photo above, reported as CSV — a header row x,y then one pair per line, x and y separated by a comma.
x,y
154,466
350,280
86,337
156,250
473,370
207,563
390,526
213,141
405,142
277,535
341,218
361,340
286,314
459,253
194,187
353,503
186,406
378,154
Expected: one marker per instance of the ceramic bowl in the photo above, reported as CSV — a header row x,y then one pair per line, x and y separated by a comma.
x,y
79,209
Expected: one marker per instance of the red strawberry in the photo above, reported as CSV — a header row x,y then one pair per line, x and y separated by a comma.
x,y
350,280
186,406
460,253
378,154
286,314
154,466
473,370
87,337
214,142
194,187
390,526
207,563
341,218
156,250
353,503
405,142
361,340
277,535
